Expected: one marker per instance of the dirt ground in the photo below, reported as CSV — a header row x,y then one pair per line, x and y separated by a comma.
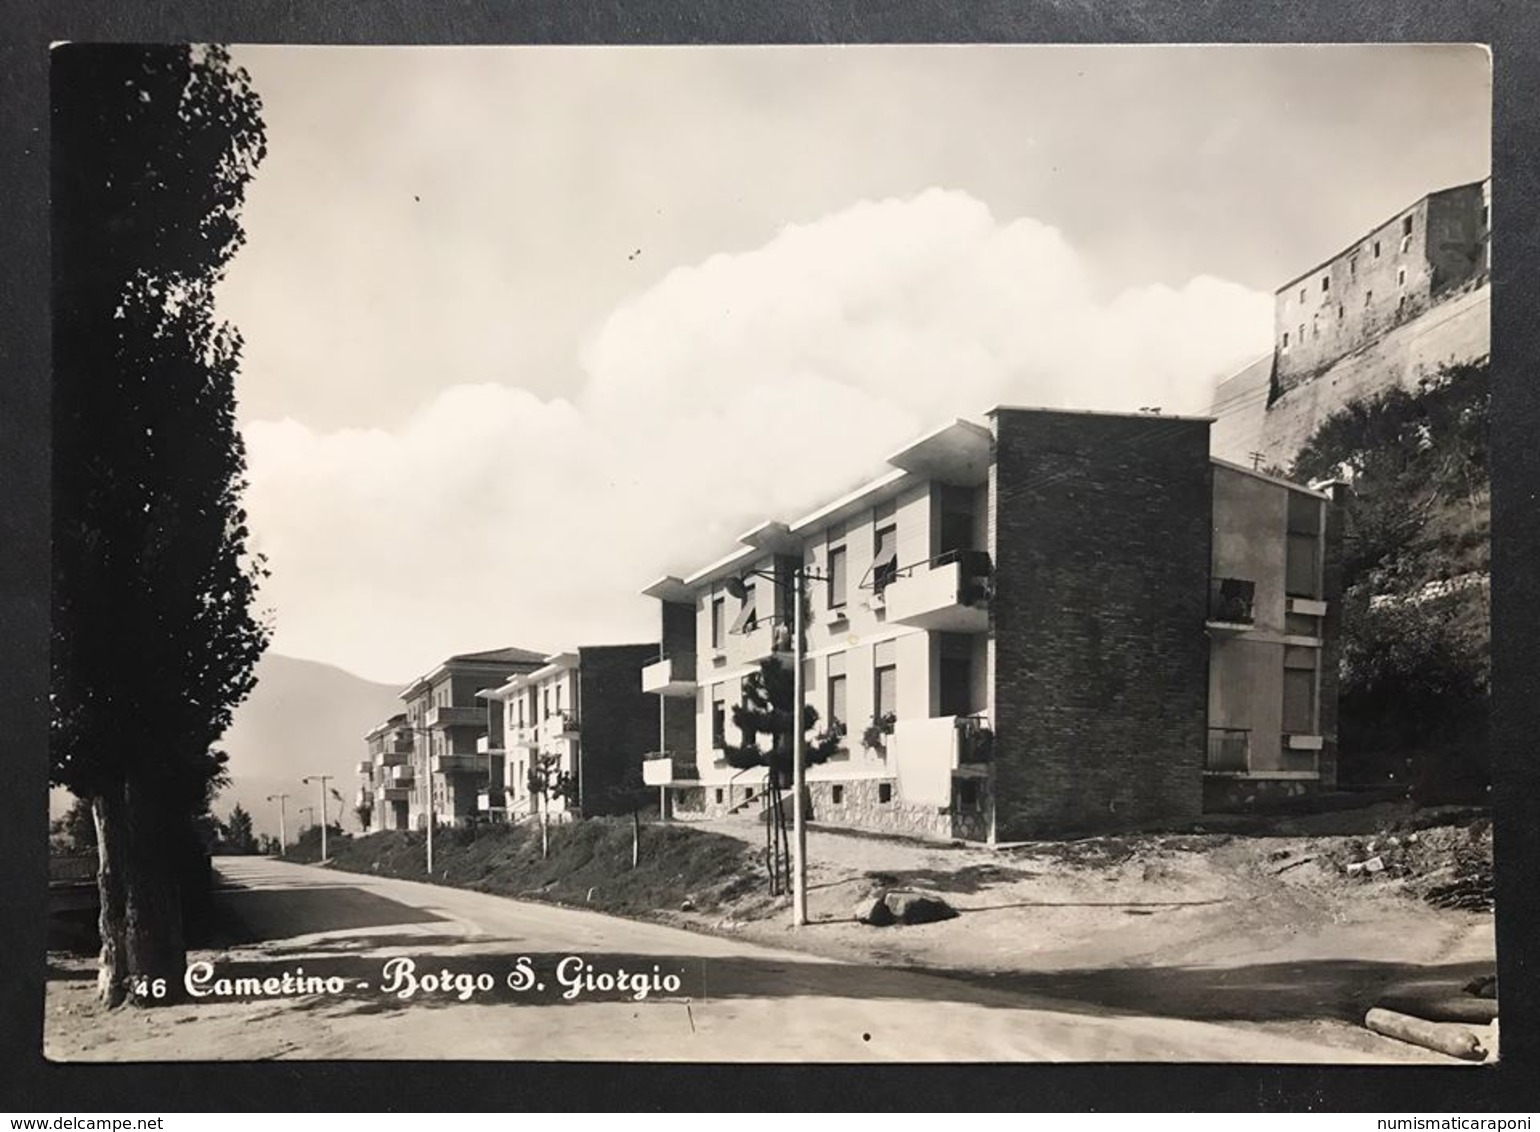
x,y
1265,929
1275,928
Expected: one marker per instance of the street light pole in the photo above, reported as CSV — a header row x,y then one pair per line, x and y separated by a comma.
x,y
798,758
736,588
323,779
283,833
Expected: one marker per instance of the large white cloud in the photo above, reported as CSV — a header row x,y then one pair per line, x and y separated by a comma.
x,y
749,386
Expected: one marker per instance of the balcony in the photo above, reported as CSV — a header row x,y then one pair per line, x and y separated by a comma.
x,y
524,738
393,758
949,593
454,716
364,800
563,725
484,746
402,775
665,768
975,744
386,794
366,767
459,764
927,754
1231,605
771,637
671,676
490,799
1229,751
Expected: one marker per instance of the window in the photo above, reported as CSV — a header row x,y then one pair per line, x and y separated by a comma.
x,y
884,792
1302,294
718,622
1326,283
748,794
719,795
747,614
1299,691
1302,568
1341,310
1376,249
968,794
837,793
1285,341
1352,265
1406,226
547,698
836,698
1400,277
1302,334
884,557
1315,326
836,583
884,679
718,718
1368,297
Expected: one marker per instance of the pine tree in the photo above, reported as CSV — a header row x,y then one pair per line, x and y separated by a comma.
x,y
154,640
766,710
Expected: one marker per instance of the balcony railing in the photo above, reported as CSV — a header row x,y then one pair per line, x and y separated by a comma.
x,y
770,636
662,768
1229,750
975,740
459,764
451,715
364,799
384,794
670,676
492,798
366,767
1232,603
947,593
563,725
402,775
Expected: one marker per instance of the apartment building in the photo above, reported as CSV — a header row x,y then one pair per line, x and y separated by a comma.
x,y
581,714
441,742
1050,622
385,775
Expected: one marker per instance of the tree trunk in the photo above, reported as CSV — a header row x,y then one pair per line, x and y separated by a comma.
x,y
112,961
636,838
545,844
152,925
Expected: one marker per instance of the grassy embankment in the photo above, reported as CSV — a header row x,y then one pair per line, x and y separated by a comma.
x,y
589,863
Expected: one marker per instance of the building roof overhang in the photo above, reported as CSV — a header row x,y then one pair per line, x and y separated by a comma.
x,y
957,453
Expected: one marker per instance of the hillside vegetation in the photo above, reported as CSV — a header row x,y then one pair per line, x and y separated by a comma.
x,y
1416,554
589,862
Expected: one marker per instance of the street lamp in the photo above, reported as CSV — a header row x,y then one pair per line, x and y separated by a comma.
x,y
323,779
736,589
283,835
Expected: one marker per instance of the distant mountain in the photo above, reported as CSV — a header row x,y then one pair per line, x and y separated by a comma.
x,y
303,718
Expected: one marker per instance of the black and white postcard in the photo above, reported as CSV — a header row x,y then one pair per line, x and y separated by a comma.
x,y
911,553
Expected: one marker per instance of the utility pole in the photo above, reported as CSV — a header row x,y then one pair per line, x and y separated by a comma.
x,y
323,779
798,755
283,830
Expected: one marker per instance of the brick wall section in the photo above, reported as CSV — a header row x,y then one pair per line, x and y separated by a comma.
x,y
617,721
1331,636
1101,545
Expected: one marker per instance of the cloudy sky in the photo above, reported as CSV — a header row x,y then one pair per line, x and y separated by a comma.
x,y
526,328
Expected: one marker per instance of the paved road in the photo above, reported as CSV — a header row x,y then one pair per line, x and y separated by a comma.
x,y
736,1000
